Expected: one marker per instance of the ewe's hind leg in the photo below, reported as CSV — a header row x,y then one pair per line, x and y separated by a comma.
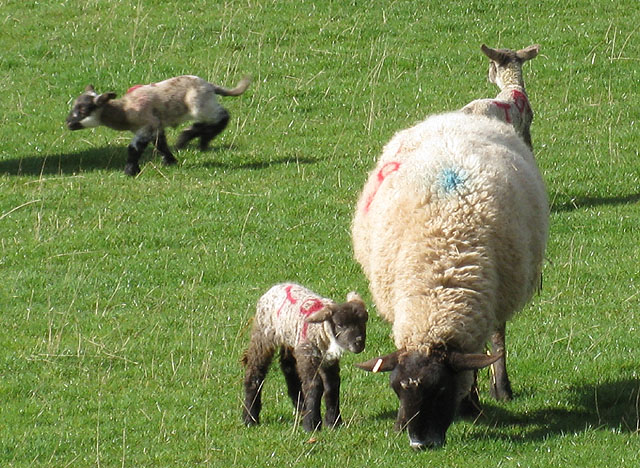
x,y
500,386
256,361
294,386
331,381
308,365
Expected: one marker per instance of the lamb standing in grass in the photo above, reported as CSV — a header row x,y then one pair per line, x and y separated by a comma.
x,y
311,332
511,105
147,110
450,230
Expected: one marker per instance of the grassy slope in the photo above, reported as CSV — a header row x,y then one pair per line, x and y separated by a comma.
x,y
126,302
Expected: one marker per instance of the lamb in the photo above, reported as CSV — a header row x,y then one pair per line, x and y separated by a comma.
x,y
511,105
147,110
312,332
450,230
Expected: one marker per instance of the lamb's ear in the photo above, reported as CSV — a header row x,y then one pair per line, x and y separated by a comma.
x,y
354,296
103,98
528,52
464,362
381,364
89,89
319,316
494,54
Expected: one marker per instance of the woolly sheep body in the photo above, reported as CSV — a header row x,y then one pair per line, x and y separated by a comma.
x,y
452,241
280,315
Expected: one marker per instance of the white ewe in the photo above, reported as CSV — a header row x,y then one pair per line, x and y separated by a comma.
x,y
450,230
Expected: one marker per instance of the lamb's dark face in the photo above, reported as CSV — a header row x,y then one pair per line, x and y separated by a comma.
x,y
349,323
426,388
85,112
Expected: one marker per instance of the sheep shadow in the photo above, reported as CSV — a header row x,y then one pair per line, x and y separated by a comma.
x,y
578,203
114,158
612,406
65,163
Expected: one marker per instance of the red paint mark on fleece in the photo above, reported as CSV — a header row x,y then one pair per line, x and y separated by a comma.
x,y
307,308
520,100
504,106
133,88
388,168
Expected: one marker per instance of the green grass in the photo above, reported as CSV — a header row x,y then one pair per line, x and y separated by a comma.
x,y
125,302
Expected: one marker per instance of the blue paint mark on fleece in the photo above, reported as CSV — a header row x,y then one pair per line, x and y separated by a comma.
x,y
451,180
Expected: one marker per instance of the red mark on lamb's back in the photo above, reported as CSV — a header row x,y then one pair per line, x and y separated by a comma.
x,y
307,308
383,173
520,100
504,106
133,88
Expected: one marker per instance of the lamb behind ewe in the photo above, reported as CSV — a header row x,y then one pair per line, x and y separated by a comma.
x,y
450,230
147,110
311,332
511,105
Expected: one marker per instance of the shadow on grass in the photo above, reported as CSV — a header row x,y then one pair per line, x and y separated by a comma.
x,y
114,158
65,164
589,202
613,406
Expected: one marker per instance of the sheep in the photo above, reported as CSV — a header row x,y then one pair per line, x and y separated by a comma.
x,y
450,230
511,105
312,332
146,110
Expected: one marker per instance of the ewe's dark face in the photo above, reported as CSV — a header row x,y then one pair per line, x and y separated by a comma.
x,y
426,388
349,322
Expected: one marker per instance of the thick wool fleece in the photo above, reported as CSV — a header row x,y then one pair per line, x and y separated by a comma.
x,y
280,317
450,230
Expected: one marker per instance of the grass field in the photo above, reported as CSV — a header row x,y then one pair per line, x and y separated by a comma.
x,y
125,302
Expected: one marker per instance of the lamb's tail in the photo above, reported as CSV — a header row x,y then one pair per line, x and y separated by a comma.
x,y
237,91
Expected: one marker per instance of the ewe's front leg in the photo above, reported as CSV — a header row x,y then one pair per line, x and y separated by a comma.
x,y
500,387
308,362
331,381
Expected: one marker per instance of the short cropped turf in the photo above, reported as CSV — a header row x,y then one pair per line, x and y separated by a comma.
x,y
126,302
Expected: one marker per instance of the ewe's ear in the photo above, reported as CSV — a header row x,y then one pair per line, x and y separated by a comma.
x,y
319,316
381,364
528,53
464,362
103,98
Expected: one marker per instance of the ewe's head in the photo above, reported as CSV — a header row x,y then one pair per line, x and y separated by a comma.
x,y
348,322
86,109
428,387
505,66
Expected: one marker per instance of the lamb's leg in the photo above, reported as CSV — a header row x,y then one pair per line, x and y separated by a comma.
x,y
256,361
294,386
331,381
189,134
500,386
135,150
211,130
308,364
162,146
